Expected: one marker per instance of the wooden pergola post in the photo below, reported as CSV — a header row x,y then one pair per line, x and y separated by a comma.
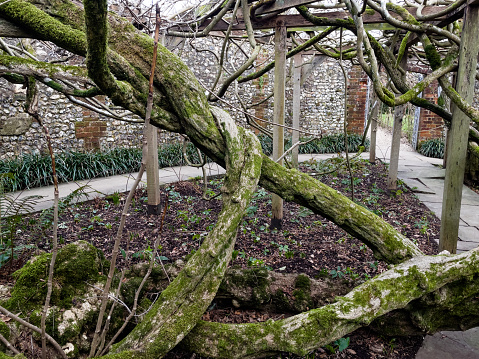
x,y
459,132
297,62
278,113
396,140
374,126
152,172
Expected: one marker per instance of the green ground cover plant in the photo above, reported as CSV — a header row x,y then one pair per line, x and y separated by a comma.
x,y
326,144
33,170
432,148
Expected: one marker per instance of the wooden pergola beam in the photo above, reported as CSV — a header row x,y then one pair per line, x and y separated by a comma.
x,y
299,21
281,5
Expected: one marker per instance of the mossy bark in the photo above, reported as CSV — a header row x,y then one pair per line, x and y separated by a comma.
x,y
446,280
181,106
183,302
290,292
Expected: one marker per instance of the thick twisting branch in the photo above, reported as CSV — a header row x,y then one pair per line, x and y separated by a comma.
x,y
302,333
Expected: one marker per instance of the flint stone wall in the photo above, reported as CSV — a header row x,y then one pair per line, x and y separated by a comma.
x,y
75,128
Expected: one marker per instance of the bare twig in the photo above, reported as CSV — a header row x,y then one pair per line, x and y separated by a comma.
x,y
8,345
223,49
299,143
35,329
116,248
258,118
32,110
345,123
145,278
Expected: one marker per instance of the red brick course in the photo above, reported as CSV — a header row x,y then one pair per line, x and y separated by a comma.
x,y
357,97
430,125
91,130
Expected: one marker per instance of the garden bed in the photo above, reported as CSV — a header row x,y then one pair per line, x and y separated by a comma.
x,y
307,243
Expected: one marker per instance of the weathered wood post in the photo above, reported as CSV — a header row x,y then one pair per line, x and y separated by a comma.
x,y
152,172
297,62
278,113
396,140
459,132
374,126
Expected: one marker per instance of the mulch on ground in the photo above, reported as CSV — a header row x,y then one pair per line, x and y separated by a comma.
x,y
307,243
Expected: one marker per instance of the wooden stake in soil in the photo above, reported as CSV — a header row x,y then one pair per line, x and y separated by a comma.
x,y
298,60
374,127
396,140
278,114
459,132
152,172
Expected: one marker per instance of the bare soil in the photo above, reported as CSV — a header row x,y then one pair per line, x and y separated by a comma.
x,y
307,243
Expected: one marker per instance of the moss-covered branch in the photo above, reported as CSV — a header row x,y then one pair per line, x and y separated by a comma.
x,y
41,25
38,69
312,41
302,333
435,61
65,29
183,302
381,237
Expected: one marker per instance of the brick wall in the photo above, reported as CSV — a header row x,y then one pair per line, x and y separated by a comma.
x,y
430,125
91,130
357,96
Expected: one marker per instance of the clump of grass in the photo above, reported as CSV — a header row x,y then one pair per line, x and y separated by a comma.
x,y
326,144
432,148
34,170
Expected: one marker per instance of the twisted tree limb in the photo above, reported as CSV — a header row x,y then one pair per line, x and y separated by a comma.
x,y
181,106
304,332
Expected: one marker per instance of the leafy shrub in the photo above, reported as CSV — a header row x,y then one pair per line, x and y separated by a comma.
x,y
34,170
326,144
432,148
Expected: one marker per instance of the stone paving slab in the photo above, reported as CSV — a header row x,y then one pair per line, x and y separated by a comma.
x,y
464,247
417,186
470,214
469,234
451,345
434,207
422,172
98,187
469,197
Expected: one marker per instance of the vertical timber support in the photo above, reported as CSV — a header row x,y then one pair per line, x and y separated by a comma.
x,y
298,61
396,140
374,126
278,113
459,132
395,145
152,172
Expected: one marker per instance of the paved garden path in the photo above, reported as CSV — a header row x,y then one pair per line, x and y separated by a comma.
x,y
424,174
417,171
426,177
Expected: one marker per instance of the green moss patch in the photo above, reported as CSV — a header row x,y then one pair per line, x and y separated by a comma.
x,y
76,264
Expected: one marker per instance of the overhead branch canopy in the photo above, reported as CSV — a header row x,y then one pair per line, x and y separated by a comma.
x,y
118,64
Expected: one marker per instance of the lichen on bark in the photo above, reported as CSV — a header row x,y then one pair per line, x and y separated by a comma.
x,y
183,302
445,279
181,106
